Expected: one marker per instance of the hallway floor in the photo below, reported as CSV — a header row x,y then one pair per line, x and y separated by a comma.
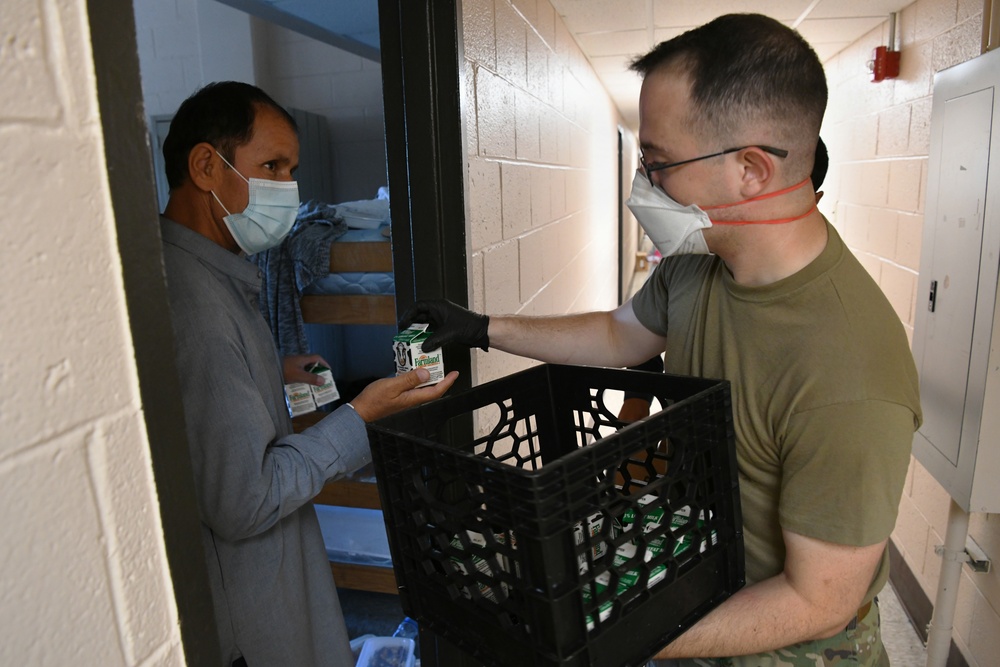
x,y
902,643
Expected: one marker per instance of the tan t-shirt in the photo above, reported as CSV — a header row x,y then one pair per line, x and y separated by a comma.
x,y
825,393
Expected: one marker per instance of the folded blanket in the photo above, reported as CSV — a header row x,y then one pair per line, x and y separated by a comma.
x,y
301,258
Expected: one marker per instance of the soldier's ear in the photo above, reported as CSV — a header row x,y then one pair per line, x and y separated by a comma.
x,y
756,171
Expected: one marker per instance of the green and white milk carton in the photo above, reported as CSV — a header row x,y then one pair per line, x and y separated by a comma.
x,y
407,347
481,564
303,398
654,547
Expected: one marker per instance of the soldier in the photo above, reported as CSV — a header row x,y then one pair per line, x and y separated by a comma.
x,y
756,287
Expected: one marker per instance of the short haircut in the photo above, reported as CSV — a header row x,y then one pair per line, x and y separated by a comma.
x,y
747,70
221,114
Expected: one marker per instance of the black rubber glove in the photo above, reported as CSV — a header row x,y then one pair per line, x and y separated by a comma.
x,y
449,323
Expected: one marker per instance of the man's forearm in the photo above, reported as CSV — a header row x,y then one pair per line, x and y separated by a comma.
x,y
760,618
588,338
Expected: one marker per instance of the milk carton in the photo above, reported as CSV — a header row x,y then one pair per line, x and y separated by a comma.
x,y
654,547
481,564
594,524
407,346
302,397
299,398
679,519
326,392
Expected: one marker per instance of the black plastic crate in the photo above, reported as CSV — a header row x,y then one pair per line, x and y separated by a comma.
x,y
511,544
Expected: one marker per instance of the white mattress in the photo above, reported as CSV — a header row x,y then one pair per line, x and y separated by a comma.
x,y
353,283
354,535
368,283
365,214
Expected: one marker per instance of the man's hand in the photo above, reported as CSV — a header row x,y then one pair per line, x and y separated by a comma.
x,y
390,395
449,323
294,368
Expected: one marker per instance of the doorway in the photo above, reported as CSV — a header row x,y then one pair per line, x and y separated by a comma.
x,y
425,160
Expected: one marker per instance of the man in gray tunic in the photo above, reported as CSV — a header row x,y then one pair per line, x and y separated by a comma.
x,y
230,157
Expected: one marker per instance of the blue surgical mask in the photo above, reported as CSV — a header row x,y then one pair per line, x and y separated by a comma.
x,y
270,213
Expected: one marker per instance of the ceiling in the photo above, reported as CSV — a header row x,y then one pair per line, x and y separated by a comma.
x,y
610,32
351,25
613,32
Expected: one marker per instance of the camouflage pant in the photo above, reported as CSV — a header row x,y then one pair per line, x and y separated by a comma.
x,y
861,645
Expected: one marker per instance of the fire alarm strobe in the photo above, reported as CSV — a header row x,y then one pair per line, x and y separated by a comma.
x,y
884,64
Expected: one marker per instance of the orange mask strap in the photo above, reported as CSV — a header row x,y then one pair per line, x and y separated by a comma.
x,y
769,195
779,221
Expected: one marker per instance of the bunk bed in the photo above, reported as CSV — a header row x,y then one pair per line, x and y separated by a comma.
x,y
357,290
359,287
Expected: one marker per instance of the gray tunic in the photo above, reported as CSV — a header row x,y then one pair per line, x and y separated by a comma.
x,y
274,597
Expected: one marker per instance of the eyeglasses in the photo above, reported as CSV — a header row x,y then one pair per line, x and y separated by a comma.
x,y
654,167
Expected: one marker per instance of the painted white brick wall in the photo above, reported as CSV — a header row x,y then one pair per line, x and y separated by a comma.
x,y
541,140
184,44
879,140
307,74
84,574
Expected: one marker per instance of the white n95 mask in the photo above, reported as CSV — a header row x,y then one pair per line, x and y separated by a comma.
x,y
674,229
270,213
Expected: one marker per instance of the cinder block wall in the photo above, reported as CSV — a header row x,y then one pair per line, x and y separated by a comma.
x,y
542,142
879,140
307,74
184,44
83,571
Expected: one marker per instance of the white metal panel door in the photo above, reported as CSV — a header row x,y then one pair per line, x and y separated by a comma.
x,y
954,331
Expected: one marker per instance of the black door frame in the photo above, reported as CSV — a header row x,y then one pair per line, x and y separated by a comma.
x,y
133,200
426,163
421,89
424,151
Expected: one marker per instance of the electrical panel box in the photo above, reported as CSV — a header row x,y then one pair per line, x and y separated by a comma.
x,y
956,341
